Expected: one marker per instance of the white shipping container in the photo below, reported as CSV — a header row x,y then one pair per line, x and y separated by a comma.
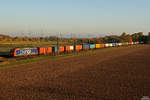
x,y
117,44
110,45
71,48
120,44
132,43
106,45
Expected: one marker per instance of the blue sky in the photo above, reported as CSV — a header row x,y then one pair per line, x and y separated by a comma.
x,y
75,16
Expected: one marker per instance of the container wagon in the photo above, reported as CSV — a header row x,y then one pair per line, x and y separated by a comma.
x,y
61,49
69,49
86,46
106,45
98,46
102,45
78,47
44,50
92,46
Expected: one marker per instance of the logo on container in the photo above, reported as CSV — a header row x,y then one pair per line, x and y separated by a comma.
x,y
145,98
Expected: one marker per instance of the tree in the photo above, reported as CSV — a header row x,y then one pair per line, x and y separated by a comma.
x,y
18,39
140,34
137,36
105,39
26,39
123,37
148,33
128,38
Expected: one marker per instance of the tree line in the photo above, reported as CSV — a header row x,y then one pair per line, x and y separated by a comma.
x,y
124,37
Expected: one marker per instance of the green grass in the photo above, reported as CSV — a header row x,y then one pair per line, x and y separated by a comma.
x,y
13,62
5,47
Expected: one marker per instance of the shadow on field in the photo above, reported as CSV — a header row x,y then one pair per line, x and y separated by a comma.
x,y
4,54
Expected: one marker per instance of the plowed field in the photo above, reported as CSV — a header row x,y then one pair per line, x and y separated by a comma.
x,y
118,74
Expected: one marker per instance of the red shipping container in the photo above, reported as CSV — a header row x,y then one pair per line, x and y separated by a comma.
x,y
61,49
78,47
103,45
49,49
130,43
67,48
45,50
41,50
125,43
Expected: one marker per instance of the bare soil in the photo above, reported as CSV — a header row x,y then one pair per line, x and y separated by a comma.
x,y
120,74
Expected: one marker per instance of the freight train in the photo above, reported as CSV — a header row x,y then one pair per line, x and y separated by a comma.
x,y
15,52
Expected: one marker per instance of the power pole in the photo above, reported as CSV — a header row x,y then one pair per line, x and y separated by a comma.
x,y
57,40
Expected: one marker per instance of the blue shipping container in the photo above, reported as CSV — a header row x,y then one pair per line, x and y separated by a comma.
x,y
117,44
86,46
92,46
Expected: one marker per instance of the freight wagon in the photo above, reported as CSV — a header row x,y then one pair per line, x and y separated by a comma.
x,y
106,45
86,46
55,49
69,48
137,42
72,48
116,44
44,50
78,47
130,43
61,49
98,46
58,49
119,44
102,45
92,46
110,45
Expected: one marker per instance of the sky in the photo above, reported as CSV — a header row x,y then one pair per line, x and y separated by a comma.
x,y
74,16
